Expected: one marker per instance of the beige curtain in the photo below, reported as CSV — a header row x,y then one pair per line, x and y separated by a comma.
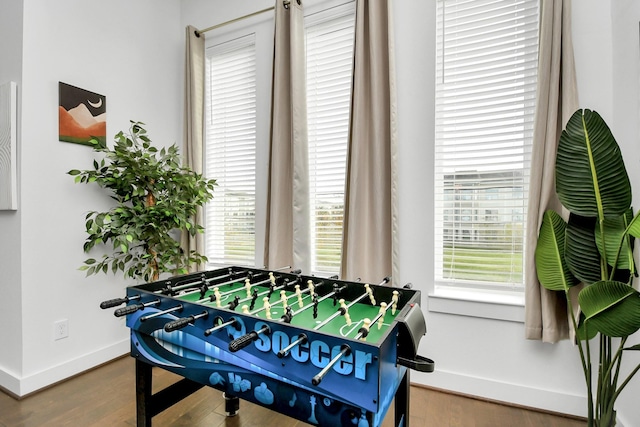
x,y
557,99
193,123
367,248
288,222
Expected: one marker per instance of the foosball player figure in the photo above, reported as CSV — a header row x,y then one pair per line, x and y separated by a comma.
x,y
345,311
272,284
203,289
311,287
254,297
233,304
299,294
370,292
267,307
247,286
383,310
216,293
288,315
315,301
245,309
336,291
394,302
283,299
365,329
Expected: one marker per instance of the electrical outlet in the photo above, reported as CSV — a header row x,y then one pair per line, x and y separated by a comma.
x,y
60,329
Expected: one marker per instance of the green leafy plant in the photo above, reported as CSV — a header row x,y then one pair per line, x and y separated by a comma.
x,y
595,247
156,199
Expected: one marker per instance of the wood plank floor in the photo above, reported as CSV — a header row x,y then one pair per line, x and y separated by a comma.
x,y
106,397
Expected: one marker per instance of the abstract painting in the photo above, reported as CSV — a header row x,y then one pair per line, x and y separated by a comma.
x,y
82,115
8,137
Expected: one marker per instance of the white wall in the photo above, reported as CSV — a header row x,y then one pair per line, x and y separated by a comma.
x,y
624,121
117,54
132,52
10,221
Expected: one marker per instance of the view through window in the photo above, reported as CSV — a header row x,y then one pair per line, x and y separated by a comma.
x,y
485,103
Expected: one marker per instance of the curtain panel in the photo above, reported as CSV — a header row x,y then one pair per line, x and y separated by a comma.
x,y
546,316
367,246
287,239
193,124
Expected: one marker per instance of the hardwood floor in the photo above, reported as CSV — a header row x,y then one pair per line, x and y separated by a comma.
x,y
106,397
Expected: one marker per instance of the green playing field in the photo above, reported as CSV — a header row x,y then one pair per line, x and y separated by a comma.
x,y
302,315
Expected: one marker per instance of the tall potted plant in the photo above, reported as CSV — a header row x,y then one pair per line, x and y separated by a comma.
x,y
595,248
156,198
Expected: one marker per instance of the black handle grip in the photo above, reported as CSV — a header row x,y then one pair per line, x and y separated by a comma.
x,y
420,363
123,311
243,341
112,303
174,325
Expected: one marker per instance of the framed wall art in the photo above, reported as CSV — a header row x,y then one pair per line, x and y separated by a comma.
x,y
82,115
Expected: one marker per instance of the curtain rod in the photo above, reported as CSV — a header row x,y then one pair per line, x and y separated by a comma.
x,y
213,27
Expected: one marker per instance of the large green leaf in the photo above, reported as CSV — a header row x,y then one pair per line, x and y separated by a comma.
x,y
553,272
612,308
616,240
581,252
591,179
634,227
583,333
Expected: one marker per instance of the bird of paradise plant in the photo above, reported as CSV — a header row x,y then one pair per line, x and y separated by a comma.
x,y
594,248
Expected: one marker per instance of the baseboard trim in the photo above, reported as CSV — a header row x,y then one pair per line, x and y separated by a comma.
x,y
498,402
9,383
20,388
552,401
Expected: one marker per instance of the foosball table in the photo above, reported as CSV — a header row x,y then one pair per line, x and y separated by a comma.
x,y
321,350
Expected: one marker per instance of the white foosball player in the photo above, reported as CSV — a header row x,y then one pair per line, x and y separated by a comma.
x,y
311,287
383,310
370,292
247,286
216,292
267,307
344,307
299,294
366,323
394,302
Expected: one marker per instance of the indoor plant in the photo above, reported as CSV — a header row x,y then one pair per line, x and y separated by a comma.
x,y
156,198
594,248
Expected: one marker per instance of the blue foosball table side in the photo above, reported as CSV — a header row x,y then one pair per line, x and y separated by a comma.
x,y
324,379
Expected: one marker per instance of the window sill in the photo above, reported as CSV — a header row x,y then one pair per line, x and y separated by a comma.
x,y
472,303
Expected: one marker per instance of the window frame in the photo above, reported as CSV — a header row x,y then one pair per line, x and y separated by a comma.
x,y
479,300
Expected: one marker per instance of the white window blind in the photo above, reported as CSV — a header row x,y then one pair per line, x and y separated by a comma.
x,y
485,99
230,154
329,70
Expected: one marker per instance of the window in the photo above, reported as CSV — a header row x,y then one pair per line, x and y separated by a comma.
x,y
236,155
230,154
329,69
485,100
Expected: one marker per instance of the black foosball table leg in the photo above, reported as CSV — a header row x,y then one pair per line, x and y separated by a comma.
x,y
401,408
143,394
149,404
